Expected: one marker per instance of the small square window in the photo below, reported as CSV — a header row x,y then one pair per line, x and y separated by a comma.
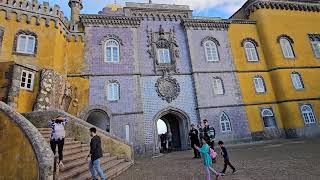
x,y
27,80
164,56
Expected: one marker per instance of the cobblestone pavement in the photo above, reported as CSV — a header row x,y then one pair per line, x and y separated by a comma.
x,y
283,160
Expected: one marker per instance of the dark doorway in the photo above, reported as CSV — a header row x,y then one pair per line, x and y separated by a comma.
x,y
99,119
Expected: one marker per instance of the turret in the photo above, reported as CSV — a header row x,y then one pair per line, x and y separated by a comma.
x,y
76,6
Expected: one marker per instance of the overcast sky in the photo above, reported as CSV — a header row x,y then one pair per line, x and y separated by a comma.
x,y
214,8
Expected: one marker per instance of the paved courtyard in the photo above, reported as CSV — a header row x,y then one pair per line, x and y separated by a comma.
x,y
283,160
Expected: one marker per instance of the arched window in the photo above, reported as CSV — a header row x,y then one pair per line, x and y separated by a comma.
x,y
251,51
286,48
211,50
225,123
307,114
113,91
218,86
297,80
259,84
111,51
26,44
268,118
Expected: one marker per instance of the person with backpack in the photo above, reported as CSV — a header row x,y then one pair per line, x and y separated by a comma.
x,y
57,136
207,153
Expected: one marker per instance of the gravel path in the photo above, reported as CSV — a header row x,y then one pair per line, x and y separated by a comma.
x,y
285,160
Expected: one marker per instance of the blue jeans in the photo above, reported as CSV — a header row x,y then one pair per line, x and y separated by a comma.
x,y
95,166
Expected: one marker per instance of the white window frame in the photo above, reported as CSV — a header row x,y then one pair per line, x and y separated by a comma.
x,y
112,89
211,51
286,47
127,130
110,44
316,48
259,84
297,81
264,115
218,86
308,116
26,80
251,52
225,123
24,49
166,54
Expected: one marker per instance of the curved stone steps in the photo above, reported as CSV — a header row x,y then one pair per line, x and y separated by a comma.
x,y
105,167
76,171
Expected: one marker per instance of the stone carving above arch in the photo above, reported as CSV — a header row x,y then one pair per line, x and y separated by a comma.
x,y
286,37
111,36
168,88
249,40
210,38
15,42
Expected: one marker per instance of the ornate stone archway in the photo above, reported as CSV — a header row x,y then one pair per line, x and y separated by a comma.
x,y
179,126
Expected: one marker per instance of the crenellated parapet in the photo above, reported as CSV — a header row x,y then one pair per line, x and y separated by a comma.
x,y
158,12
110,21
205,23
291,5
40,12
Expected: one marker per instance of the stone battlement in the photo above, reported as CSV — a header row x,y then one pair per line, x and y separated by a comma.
x,y
38,11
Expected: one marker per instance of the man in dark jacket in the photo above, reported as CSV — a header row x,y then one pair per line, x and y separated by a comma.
x,y
95,154
209,132
194,138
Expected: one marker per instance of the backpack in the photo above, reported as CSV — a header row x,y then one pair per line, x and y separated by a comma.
x,y
59,131
212,153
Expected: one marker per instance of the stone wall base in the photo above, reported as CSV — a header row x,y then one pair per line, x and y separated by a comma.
x,y
268,134
311,131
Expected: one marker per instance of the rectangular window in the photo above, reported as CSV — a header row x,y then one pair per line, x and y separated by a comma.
x,y
164,56
316,48
217,86
113,92
26,44
128,133
27,80
259,85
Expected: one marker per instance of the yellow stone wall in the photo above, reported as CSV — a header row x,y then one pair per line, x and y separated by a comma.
x,y
82,94
17,158
284,99
54,51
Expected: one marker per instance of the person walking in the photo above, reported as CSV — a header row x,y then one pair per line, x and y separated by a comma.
x,y
95,154
194,138
209,132
224,153
169,139
163,139
57,136
207,161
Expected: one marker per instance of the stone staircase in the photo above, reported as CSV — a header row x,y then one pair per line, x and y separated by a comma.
x,y
75,164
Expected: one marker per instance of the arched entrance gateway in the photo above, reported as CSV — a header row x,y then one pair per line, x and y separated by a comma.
x,y
98,116
177,123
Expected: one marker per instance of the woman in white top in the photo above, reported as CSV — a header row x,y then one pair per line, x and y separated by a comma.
x,y
57,135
